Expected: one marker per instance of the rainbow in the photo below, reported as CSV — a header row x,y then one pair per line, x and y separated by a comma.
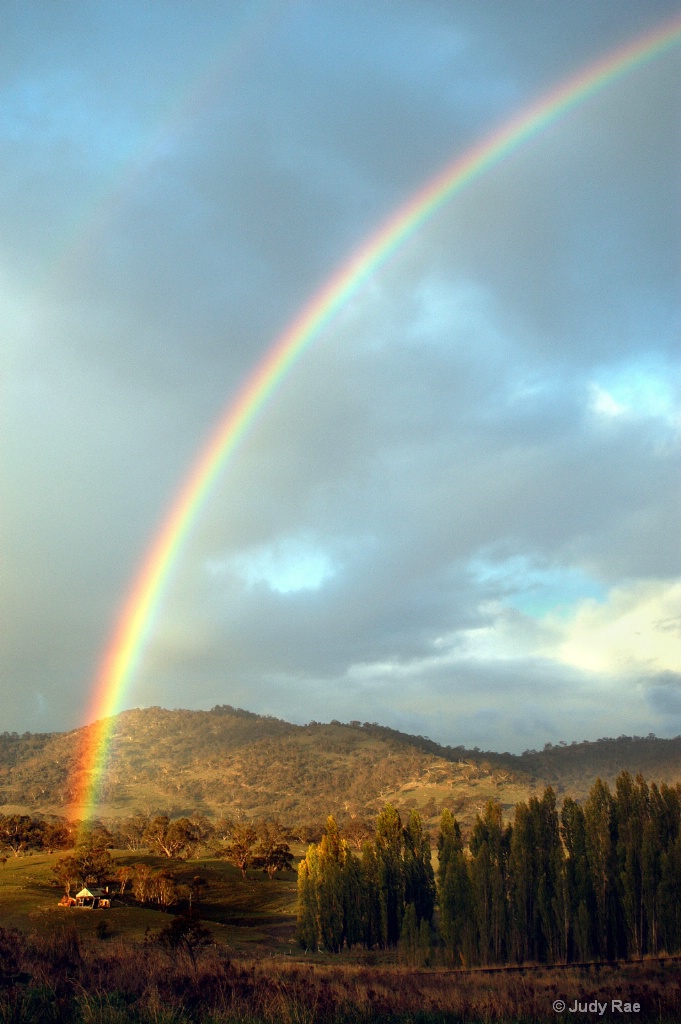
x,y
132,630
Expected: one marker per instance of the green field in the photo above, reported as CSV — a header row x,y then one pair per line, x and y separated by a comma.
x,y
239,913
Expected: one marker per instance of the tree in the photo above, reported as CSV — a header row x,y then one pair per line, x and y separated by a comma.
x,y
93,834
18,832
357,832
389,844
370,896
240,850
223,827
67,872
307,900
185,934
455,892
327,909
95,863
409,936
522,895
550,872
580,899
165,889
131,832
419,879
143,883
170,838
598,820
272,853
332,853
55,835
123,874
488,870
202,831
195,887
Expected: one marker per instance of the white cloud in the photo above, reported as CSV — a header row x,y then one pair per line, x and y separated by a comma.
x,y
636,630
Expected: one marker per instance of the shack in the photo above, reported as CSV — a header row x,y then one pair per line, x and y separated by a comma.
x,y
93,899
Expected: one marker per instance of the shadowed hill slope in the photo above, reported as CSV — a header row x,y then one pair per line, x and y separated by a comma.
x,y
236,762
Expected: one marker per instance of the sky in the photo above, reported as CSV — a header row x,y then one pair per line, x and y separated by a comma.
x,y
458,514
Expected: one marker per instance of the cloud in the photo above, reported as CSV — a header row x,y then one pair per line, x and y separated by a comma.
x,y
664,696
637,630
454,512
291,565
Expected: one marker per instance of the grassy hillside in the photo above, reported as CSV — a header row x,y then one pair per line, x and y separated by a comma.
x,y
232,761
243,915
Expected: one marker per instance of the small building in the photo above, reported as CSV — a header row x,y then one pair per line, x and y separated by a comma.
x,y
94,899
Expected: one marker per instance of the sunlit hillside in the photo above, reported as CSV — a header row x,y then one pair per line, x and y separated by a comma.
x,y
229,761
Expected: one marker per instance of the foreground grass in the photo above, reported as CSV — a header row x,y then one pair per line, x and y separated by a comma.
x,y
56,969
60,979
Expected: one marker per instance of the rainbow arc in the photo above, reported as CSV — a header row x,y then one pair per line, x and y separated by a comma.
x,y
132,630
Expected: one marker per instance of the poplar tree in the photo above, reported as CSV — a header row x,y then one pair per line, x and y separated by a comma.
x,y
664,915
307,899
332,895
522,895
353,896
332,852
389,845
419,878
598,819
670,905
455,892
550,876
409,936
488,869
371,899
580,900
631,816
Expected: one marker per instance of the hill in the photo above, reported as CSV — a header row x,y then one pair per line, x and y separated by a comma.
x,y
229,761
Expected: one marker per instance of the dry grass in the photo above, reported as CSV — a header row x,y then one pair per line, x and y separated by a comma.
x,y
60,978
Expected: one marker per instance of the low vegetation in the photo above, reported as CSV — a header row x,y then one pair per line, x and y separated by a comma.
x,y
62,979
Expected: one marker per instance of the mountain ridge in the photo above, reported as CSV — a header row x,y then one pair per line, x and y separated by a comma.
x,y
232,761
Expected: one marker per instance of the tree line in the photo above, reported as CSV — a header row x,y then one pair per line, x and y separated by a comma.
x,y
244,845
598,880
